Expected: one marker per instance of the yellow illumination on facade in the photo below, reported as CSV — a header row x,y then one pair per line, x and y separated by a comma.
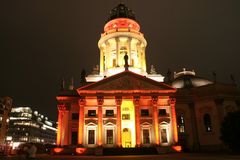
x,y
128,124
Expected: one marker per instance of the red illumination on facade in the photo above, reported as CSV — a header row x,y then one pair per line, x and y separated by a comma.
x,y
100,103
80,150
177,148
174,119
121,23
82,103
137,119
59,128
58,150
155,119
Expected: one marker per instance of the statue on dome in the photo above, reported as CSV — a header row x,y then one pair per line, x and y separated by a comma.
x,y
126,62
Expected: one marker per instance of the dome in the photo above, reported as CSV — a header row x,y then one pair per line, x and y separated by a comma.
x,y
188,79
121,11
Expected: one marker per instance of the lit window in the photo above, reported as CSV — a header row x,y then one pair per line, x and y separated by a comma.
x,y
144,112
8,138
91,136
207,122
164,136
126,117
109,113
181,124
162,112
146,138
92,113
110,136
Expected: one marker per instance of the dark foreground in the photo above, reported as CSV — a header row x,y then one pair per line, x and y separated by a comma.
x,y
175,156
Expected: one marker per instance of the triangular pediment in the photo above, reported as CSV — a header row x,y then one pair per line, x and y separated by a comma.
x,y
124,81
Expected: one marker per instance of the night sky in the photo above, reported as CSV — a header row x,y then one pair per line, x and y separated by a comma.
x,y
43,41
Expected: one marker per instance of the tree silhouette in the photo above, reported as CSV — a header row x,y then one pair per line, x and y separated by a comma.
x,y
230,131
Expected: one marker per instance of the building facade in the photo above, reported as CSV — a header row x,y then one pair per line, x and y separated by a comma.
x,y
5,108
201,107
120,104
26,126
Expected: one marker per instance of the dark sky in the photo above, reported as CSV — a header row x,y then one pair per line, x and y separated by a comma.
x,y
42,41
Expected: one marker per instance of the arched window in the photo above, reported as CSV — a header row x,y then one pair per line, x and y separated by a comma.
x,y
181,124
207,122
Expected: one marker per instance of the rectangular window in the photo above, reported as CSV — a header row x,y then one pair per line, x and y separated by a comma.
x,y
75,116
146,138
91,113
144,112
110,136
164,136
91,136
109,113
162,112
125,116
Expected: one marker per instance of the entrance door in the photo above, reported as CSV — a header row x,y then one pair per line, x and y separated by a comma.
x,y
126,138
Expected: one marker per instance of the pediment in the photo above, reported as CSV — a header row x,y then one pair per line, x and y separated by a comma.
x,y
126,81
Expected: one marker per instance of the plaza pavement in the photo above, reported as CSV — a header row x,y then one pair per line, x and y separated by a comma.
x,y
175,156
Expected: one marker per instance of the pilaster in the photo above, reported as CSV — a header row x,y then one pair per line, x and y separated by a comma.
x,y
172,103
63,119
82,104
155,119
118,101
137,119
100,100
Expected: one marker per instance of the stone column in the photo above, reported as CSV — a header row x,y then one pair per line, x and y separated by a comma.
x,y
143,59
63,120
100,101
107,55
118,101
101,61
130,50
155,119
139,54
117,51
59,128
82,103
172,102
137,120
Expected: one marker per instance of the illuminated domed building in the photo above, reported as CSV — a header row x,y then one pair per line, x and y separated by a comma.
x,y
120,105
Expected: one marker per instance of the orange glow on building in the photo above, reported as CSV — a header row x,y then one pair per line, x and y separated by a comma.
x,y
80,150
82,103
59,129
100,103
120,105
177,148
58,150
138,138
174,120
118,102
155,119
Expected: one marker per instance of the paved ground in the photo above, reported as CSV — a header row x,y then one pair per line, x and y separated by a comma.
x,y
176,156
